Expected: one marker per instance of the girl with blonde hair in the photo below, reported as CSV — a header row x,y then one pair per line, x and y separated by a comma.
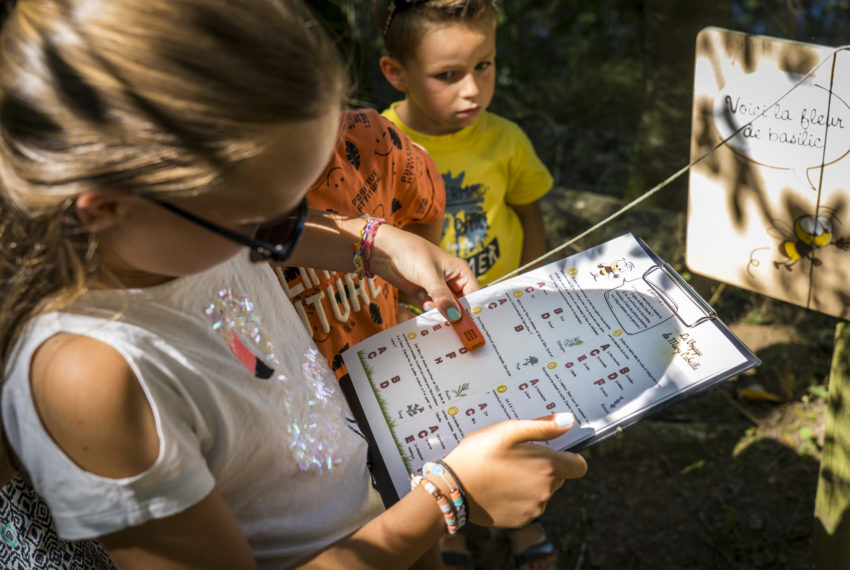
x,y
158,390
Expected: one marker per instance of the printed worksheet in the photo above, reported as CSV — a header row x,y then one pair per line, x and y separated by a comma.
x,y
610,334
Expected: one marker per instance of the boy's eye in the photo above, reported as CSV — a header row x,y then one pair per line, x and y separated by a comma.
x,y
445,76
483,65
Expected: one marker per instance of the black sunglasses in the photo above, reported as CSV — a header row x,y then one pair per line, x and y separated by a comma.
x,y
271,241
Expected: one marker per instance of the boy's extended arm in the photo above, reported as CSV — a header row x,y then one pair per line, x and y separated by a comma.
x,y
405,260
432,232
534,237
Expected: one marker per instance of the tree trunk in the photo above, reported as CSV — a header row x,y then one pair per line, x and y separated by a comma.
x,y
831,535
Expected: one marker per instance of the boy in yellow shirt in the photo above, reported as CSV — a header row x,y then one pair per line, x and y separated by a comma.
x,y
441,55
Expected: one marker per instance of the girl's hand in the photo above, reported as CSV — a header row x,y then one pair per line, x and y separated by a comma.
x,y
507,478
420,268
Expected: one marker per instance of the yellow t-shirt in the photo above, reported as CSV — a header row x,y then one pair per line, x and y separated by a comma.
x,y
485,167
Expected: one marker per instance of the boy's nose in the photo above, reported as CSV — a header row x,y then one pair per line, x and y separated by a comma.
x,y
469,86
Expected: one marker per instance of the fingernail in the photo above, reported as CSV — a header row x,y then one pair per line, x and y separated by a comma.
x,y
429,308
453,314
564,419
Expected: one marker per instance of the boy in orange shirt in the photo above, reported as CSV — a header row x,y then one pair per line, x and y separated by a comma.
x,y
375,170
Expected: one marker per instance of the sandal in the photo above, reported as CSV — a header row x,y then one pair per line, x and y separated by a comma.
x,y
454,550
453,559
541,549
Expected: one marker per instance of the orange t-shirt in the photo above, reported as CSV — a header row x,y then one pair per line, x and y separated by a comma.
x,y
375,170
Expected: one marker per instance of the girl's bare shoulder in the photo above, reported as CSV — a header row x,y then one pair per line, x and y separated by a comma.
x,y
92,405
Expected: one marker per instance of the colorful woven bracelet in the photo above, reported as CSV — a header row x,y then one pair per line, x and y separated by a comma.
x,y
363,246
356,246
368,241
442,501
440,469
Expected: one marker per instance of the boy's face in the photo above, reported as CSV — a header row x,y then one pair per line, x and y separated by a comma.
x,y
449,80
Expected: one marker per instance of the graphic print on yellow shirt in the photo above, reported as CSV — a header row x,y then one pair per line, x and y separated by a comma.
x,y
375,170
485,168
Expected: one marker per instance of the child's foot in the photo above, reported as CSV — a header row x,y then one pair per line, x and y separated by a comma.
x,y
455,554
531,549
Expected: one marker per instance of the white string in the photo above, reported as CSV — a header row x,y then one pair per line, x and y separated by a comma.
x,y
671,178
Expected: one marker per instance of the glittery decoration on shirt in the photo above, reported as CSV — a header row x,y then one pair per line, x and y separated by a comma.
x,y
313,403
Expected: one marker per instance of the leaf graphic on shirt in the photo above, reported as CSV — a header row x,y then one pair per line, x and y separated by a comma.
x,y
337,360
395,138
396,206
353,154
375,313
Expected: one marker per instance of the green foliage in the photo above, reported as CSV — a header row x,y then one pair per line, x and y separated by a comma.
x,y
818,392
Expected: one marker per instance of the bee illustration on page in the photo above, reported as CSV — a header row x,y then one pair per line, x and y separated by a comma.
x,y
614,269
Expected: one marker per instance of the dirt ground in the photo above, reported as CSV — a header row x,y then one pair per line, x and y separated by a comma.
x,y
724,480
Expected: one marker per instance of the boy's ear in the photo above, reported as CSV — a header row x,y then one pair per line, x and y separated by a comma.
x,y
99,210
394,72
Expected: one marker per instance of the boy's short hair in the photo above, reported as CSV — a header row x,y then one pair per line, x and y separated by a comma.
x,y
403,23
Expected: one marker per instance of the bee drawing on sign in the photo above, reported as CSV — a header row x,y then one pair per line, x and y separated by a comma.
x,y
614,269
802,241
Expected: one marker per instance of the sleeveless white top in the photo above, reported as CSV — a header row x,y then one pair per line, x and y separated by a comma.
x,y
243,403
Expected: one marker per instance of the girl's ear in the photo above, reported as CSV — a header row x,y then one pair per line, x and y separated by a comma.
x,y
394,72
99,210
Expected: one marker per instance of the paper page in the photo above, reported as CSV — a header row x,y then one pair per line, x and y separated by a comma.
x,y
596,334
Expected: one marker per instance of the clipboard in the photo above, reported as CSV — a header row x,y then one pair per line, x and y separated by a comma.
x,y
612,334
691,310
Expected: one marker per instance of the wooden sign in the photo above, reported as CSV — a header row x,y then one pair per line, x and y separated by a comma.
x,y
768,210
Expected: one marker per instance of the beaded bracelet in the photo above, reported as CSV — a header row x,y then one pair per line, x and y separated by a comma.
x,y
442,502
363,246
458,499
451,473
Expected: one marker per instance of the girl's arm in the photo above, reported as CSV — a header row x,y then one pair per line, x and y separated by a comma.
x,y
206,535
508,482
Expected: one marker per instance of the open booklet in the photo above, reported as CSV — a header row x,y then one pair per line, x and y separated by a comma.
x,y
611,334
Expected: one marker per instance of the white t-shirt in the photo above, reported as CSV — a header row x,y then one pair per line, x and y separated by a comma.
x,y
243,403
